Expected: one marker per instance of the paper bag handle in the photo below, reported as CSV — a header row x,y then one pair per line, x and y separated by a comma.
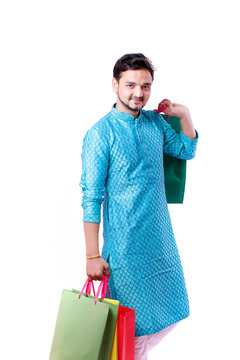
x,y
105,287
162,108
87,285
102,286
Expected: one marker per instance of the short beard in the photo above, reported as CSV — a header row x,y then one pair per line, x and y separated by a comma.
x,y
128,107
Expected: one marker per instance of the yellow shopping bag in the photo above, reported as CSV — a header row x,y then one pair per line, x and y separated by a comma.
x,y
114,348
114,351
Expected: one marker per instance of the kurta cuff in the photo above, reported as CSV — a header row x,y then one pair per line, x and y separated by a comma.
x,y
189,144
187,139
92,218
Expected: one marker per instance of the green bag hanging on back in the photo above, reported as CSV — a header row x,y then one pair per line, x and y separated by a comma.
x,y
174,169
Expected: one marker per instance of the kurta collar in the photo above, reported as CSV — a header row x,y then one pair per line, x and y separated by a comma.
x,y
120,115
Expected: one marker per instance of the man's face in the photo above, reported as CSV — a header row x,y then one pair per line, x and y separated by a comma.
x,y
133,90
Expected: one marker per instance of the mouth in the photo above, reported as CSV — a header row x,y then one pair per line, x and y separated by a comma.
x,y
137,101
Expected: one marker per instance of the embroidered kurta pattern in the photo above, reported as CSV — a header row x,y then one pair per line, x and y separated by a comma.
x,y
122,170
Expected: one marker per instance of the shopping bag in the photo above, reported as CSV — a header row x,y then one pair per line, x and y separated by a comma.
x,y
108,337
114,351
174,169
126,333
80,326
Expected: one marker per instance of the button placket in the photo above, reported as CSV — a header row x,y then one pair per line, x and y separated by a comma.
x,y
136,126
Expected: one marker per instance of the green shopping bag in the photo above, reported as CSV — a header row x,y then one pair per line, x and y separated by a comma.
x,y
174,169
105,351
80,326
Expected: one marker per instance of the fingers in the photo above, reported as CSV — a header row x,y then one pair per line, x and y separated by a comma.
x,y
166,106
97,270
162,108
165,101
98,276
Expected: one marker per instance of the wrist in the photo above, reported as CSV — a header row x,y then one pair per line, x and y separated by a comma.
x,y
185,113
95,256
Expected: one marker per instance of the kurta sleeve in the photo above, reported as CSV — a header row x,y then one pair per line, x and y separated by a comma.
x,y
178,145
95,159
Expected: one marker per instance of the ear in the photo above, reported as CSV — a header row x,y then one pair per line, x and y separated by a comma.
x,y
115,85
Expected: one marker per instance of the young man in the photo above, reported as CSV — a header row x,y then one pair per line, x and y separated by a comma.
x,y
122,167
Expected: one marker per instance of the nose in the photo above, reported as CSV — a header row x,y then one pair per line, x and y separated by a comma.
x,y
138,92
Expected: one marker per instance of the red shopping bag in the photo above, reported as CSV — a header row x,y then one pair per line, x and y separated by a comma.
x,y
126,333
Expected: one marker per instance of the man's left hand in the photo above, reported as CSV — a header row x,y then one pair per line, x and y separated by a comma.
x,y
173,109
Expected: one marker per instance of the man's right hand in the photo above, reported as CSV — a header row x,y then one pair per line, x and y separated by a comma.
x,y
97,268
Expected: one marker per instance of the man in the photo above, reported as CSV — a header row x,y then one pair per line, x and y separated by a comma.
x,y
122,166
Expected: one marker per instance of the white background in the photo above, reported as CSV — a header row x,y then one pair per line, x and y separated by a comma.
x,y
56,71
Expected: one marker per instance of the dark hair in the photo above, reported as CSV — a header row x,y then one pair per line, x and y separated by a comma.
x,y
132,62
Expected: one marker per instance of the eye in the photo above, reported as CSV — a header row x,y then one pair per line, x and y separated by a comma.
x,y
130,85
146,87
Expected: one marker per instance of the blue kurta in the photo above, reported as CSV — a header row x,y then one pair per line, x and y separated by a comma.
x,y
122,167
